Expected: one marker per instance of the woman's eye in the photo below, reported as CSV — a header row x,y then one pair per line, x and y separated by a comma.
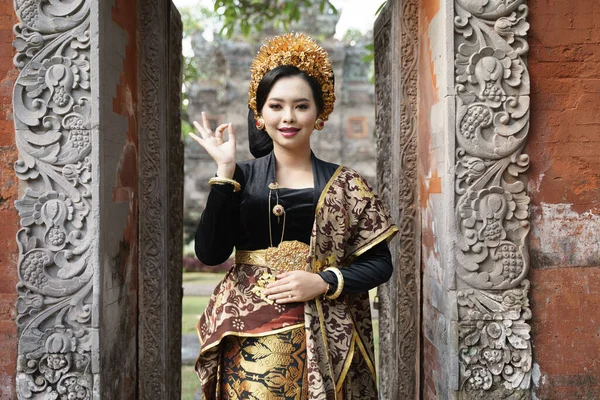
x,y
303,106
274,106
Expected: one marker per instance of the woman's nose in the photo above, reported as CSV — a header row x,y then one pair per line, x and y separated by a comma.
x,y
289,115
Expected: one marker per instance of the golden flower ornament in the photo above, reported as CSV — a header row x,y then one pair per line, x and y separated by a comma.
x,y
300,51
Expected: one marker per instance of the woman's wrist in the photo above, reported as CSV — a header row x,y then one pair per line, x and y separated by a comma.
x,y
226,170
324,286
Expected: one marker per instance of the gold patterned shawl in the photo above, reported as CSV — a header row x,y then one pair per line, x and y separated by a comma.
x,y
349,220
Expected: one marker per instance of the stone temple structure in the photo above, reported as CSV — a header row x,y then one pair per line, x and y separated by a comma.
x,y
488,134
348,137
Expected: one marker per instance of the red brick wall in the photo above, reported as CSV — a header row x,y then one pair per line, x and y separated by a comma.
x,y
9,220
564,146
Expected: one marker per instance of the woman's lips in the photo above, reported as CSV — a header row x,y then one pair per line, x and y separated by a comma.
x,y
289,132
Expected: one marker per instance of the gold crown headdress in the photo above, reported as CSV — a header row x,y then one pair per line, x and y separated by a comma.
x,y
300,51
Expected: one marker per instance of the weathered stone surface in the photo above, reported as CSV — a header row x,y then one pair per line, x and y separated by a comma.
x,y
118,197
491,126
396,30
161,184
75,114
54,130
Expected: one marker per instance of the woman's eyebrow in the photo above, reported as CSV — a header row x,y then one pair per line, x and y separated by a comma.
x,y
295,101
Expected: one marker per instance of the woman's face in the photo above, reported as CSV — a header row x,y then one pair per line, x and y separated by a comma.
x,y
290,113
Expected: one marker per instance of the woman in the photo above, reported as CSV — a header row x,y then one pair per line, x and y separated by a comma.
x,y
291,319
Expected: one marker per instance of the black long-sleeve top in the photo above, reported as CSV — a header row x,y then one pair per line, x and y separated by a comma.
x,y
241,220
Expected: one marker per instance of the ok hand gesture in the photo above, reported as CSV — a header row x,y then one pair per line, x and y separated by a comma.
x,y
222,152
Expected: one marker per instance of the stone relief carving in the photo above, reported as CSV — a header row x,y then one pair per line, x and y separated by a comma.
x,y
161,195
409,246
51,101
495,338
396,39
492,122
387,293
175,195
152,204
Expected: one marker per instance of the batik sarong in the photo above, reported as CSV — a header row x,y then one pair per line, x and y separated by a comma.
x,y
265,367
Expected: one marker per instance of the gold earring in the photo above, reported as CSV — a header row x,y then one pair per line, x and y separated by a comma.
x,y
319,124
260,124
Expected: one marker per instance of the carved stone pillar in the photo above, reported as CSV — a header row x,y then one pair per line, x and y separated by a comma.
x,y
491,204
99,297
456,307
396,31
161,201
56,132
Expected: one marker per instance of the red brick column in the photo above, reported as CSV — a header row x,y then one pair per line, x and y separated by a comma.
x,y
564,146
8,215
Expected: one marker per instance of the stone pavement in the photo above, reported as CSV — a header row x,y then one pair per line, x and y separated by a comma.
x,y
198,289
190,347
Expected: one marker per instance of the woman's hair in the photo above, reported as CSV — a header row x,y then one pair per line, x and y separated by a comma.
x,y
259,141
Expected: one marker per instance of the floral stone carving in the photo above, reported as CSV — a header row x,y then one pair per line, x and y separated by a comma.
x,y
52,122
492,123
494,341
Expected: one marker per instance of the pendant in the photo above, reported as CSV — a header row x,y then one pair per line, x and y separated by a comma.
x,y
278,210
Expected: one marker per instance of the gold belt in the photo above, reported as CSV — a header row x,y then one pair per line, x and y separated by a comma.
x,y
288,256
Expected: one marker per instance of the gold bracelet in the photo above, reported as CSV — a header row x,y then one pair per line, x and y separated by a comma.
x,y
326,290
225,181
340,283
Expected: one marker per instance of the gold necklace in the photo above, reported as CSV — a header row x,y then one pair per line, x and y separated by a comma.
x,y
277,210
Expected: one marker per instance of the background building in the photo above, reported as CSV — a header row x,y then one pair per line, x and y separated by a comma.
x,y
348,137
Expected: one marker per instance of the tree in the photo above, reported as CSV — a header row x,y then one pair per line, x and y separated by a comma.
x,y
240,18
247,18
194,20
251,15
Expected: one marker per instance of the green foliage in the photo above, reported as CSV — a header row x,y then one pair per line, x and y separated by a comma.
x,y
194,19
371,56
352,35
186,126
251,15
380,7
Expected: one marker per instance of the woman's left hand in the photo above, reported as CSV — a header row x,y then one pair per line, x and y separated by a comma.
x,y
296,286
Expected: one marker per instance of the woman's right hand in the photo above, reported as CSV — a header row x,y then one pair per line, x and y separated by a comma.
x,y
222,152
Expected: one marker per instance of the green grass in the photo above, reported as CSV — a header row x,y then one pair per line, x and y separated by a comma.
x,y
193,307
189,382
